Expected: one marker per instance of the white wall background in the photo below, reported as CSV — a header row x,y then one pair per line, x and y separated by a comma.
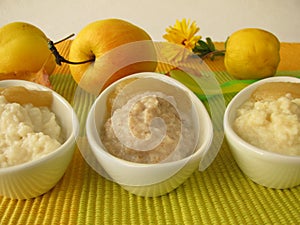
x,y
216,18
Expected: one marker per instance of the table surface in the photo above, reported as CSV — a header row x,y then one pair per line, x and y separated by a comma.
x,y
221,194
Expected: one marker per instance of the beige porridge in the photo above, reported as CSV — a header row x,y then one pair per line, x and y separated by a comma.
x,y
145,142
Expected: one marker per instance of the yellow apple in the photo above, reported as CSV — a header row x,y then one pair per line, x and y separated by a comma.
x,y
116,48
24,49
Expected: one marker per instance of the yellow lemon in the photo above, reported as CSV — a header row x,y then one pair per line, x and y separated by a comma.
x,y
252,53
23,49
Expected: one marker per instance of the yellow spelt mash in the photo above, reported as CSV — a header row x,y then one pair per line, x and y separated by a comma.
x,y
272,124
26,132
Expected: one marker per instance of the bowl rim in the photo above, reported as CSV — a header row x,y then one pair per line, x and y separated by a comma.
x,y
236,138
71,138
198,150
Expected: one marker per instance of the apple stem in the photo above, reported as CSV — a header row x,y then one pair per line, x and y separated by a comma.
x,y
59,59
64,39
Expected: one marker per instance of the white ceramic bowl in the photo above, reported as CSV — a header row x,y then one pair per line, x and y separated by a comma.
x,y
147,179
263,167
36,177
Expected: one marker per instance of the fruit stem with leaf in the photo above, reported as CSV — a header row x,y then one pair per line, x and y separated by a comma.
x,y
59,59
207,49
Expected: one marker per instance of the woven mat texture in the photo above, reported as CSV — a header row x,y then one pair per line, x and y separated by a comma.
x,y
222,194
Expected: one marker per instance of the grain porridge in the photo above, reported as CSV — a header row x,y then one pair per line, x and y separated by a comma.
x,y
139,114
26,132
270,121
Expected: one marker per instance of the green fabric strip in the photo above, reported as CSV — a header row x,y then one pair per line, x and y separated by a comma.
x,y
230,86
295,73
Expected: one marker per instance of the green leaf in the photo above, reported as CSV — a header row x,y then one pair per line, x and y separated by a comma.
x,y
203,44
210,44
225,44
204,49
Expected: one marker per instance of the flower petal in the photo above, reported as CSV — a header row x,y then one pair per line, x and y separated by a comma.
x,y
183,33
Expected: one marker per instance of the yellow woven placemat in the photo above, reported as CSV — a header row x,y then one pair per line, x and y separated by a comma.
x,y
220,195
